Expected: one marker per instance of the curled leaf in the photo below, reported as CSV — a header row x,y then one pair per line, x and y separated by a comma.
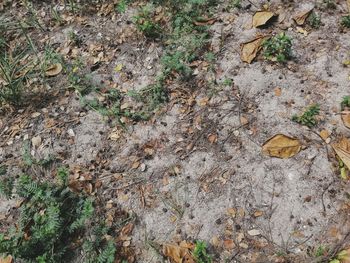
x,y
260,18
281,146
250,49
342,149
300,18
53,70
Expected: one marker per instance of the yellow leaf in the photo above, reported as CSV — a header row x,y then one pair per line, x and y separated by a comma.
x,y
281,146
250,49
260,18
300,18
118,68
348,6
53,70
342,149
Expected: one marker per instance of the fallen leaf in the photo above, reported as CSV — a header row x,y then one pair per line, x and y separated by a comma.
x,y
254,232
260,18
300,18
345,117
348,5
278,91
258,213
177,254
205,22
229,244
342,149
324,134
244,120
36,141
213,138
302,31
250,49
53,70
281,146
231,211
344,256
8,259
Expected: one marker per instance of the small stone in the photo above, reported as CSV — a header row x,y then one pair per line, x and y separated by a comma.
x,y
143,167
254,232
36,141
236,133
71,133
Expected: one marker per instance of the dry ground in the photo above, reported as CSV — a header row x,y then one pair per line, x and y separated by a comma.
x,y
196,169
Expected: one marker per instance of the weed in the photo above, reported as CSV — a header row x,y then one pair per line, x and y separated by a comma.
x,y
236,3
56,16
345,21
52,218
314,20
145,22
227,82
200,253
278,48
345,102
74,38
79,81
122,6
321,251
308,117
6,182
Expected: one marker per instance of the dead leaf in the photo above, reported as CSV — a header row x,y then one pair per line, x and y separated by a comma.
x,y
348,6
229,244
324,134
205,22
213,138
345,117
260,18
300,18
244,120
258,213
342,149
178,254
278,91
302,31
54,70
8,259
250,49
281,146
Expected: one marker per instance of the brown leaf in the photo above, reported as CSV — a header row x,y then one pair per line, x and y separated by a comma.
x,y
348,6
260,18
278,91
281,146
300,18
345,117
324,134
229,244
178,254
342,149
250,49
54,70
213,138
8,259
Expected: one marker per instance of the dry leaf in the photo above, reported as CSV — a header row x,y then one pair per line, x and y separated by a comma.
x,y
300,18
54,70
178,254
342,148
348,6
260,18
278,91
8,259
213,138
345,117
302,31
229,244
250,49
205,22
281,146
324,134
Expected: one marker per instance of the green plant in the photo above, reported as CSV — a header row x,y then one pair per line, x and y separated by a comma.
x,y
308,118
122,6
6,182
345,21
227,82
345,102
314,20
278,48
145,22
200,253
52,219
321,251
236,3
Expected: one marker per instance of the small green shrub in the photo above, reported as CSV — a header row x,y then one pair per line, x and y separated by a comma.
x,y
278,48
345,21
308,118
329,4
345,102
314,20
145,22
236,3
200,253
51,222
